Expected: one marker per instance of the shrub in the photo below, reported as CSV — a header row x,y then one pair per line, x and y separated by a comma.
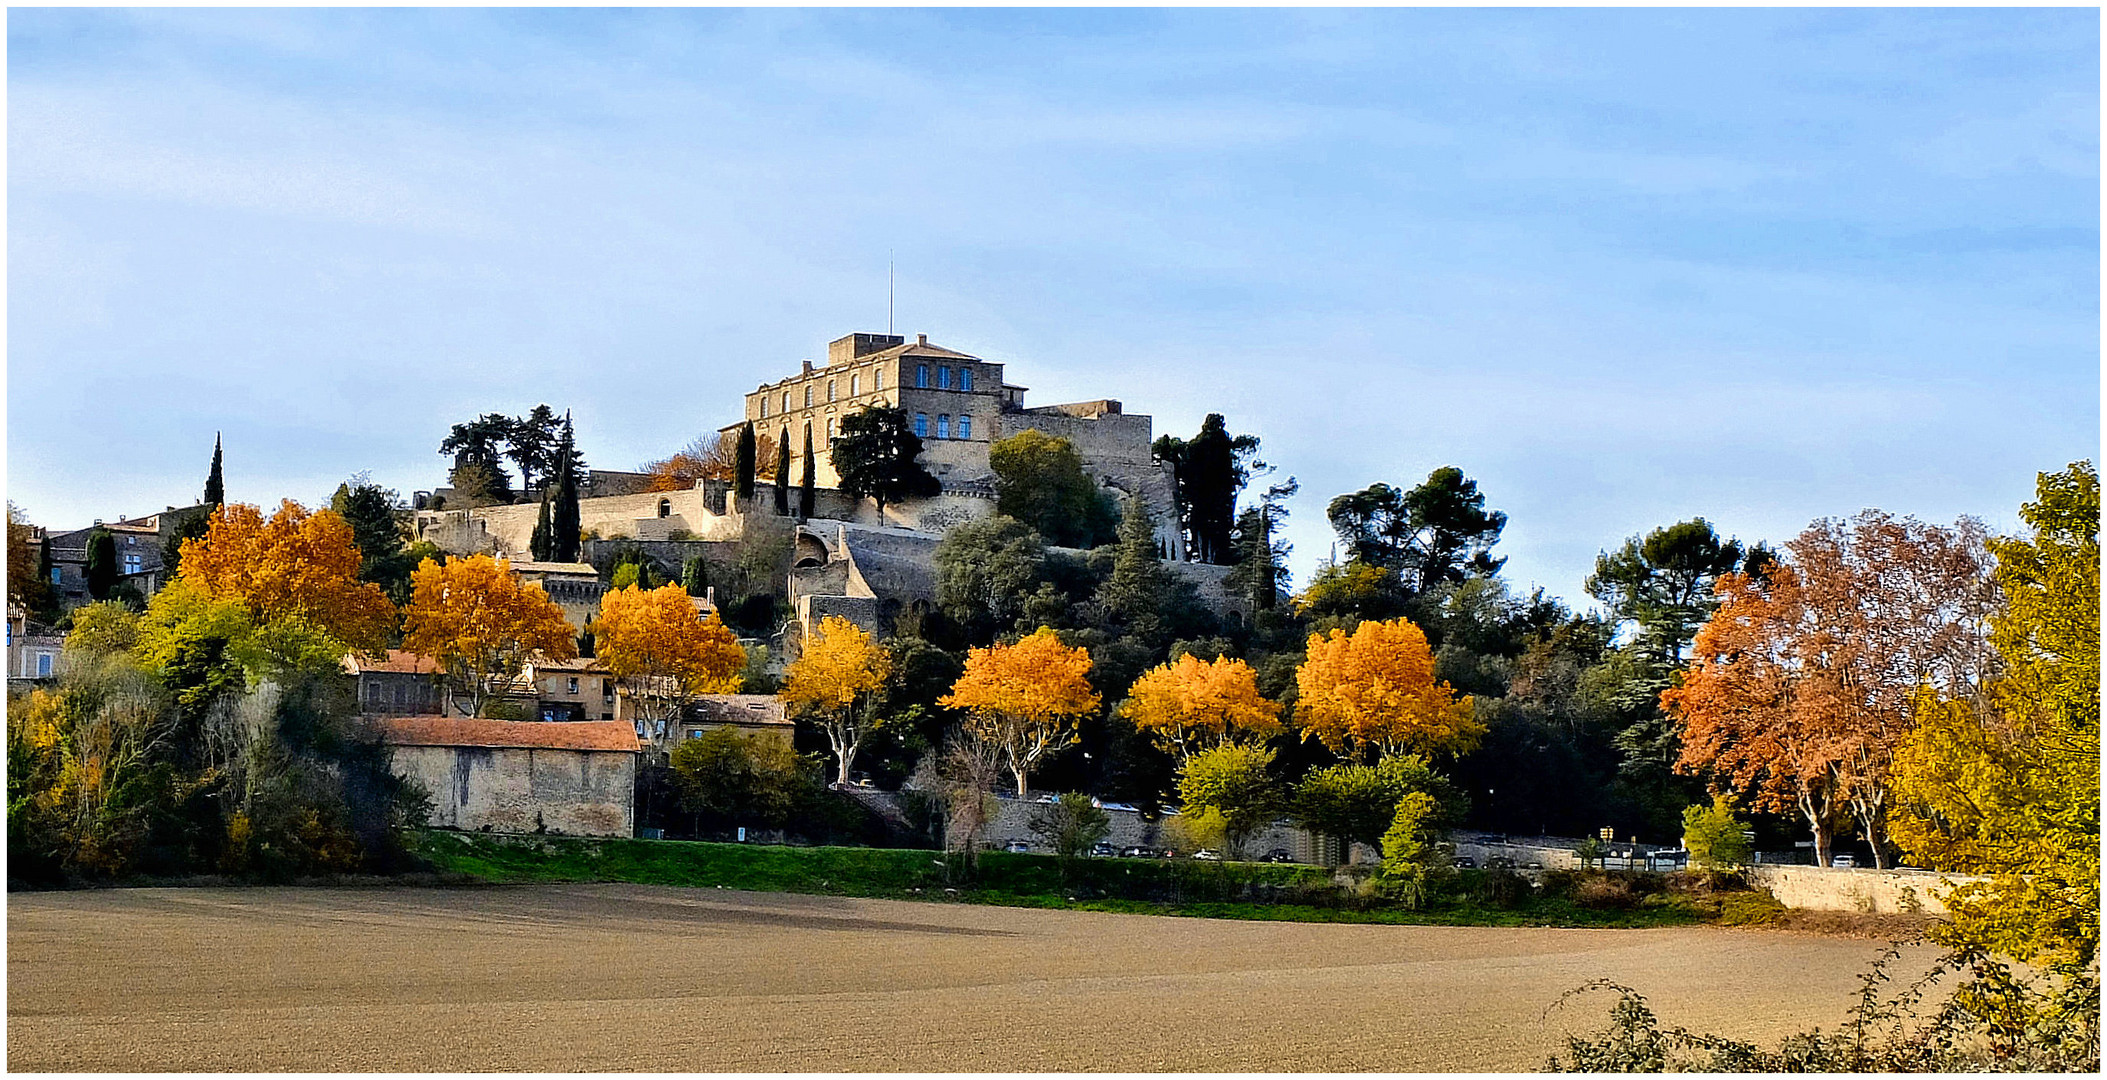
x,y
1602,891
1714,836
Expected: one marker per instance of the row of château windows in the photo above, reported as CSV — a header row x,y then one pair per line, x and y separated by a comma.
x,y
943,426
855,389
943,377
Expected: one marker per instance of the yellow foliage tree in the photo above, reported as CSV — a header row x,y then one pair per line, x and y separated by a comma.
x,y
665,654
296,563
1192,705
1025,698
2010,787
480,623
1374,689
841,668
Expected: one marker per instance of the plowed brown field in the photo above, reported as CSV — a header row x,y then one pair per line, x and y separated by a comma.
x,y
619,977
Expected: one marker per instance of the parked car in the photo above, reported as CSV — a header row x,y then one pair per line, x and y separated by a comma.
x,y
1465,862
1279,854
1210,854
1499,862
1047,798
1103,850
1136,853
1021,847
1843,862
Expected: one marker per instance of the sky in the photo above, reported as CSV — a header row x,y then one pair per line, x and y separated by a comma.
x,y
1621,267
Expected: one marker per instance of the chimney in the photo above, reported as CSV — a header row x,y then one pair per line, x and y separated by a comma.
x,y
808,367
921,339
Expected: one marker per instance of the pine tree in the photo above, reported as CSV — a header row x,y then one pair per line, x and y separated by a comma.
x,y
563,517
743,466
215,482
101,570
1137,593
540,544
782,474
807,498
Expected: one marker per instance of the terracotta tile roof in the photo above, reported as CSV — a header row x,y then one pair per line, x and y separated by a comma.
x,y
610,735
525,566
399,662
583,663
737,709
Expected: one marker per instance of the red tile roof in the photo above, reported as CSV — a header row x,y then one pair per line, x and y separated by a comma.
x,y
507,734
399,661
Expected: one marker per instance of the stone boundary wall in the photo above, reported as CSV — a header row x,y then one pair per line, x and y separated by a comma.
x,y
1130,829
1885,892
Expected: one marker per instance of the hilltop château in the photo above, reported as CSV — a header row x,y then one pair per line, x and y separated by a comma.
x,y
848,558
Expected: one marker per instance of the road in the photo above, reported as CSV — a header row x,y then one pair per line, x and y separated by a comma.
x,y
626,977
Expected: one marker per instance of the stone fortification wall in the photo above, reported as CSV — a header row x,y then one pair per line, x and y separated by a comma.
x,y
523,790
1115,448
1887,892
509,530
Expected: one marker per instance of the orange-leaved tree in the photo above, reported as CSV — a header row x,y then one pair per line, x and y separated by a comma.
x,y
1812,675
835,682
1025,697
665,654
296,564
1192,705
480,623
1375,690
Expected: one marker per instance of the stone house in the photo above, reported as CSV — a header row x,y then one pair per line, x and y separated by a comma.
x,y
572,690
139,543
33,649
572,779
750,714
575,587
402,683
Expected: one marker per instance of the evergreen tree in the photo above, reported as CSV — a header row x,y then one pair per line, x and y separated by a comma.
x,y
743,466
101,570
782,474
875,457
1207,474
539,544
807,498
370,511
1139,590
695,576
563,516
215,482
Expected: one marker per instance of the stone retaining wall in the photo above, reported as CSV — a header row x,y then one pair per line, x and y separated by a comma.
x,y
1887,892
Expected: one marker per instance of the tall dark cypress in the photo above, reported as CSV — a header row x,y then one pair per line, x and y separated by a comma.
x,y
101,570
215,482
743,466
782,474
1211,486
563,517
807,498
540,544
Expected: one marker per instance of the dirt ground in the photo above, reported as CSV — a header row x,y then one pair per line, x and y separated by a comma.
x,y
624,977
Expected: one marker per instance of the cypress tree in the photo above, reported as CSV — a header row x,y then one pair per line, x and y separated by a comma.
x,y
215,482
807,499
782,474
563,517
539,545
101,570
743,465
695,576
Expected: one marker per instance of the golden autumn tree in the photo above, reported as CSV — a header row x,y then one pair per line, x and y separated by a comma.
x,y
1192,705
708,458
835,682
1025,698
2006,784
665,654
1375,690
1805,680
482,624
295,564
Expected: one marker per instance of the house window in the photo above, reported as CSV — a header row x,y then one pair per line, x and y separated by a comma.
x,y
133,564
965,427
43,665
55,575
607,690
573,685
921,376
965,378
943,378
830,389
943,427
665,508
855,385
808,395
921,425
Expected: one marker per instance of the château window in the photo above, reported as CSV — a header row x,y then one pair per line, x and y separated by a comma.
x,y
877,379
965,378
921,430
786,401
808,395
921,376
965,427
943,378
830,389
943,427
855,385
764,406
830,429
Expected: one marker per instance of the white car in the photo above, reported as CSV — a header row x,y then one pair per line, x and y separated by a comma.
x,y
1210,854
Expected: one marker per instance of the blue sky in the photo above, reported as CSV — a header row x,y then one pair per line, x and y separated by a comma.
x,y
1623,267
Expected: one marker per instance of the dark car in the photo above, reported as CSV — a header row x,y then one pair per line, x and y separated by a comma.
x,y
1279,854
1499,862
1136,853
1103,850
1465,862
